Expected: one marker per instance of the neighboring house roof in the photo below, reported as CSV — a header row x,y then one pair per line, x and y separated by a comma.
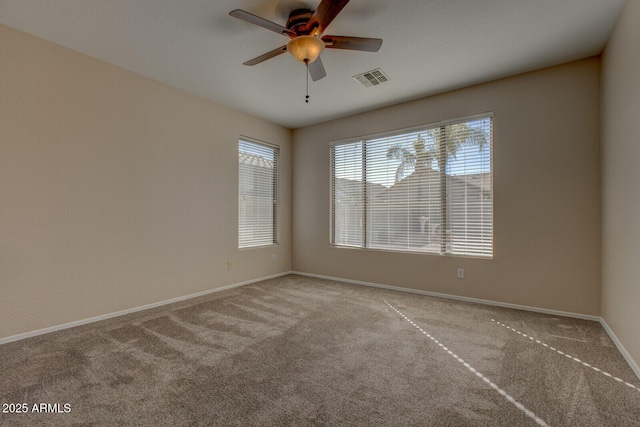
x,y
254,160
481,180
348,187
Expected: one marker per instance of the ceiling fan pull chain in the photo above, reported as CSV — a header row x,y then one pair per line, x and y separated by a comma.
x,y
306,61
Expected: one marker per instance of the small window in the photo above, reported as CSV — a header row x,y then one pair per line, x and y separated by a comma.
x,y
257,194
427,189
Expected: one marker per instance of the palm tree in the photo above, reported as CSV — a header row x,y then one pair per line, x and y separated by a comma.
x,y
420,158
445,141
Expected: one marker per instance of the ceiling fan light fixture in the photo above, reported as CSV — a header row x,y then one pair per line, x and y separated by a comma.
x,y
305,49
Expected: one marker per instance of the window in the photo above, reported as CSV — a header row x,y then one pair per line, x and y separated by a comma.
x,y
426,189
257,194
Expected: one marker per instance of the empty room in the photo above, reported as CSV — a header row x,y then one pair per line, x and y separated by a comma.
x,y
319,212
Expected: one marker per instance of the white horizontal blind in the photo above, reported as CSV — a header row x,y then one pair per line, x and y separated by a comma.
x,y
347,207
423,190
470,188
404,194
257,194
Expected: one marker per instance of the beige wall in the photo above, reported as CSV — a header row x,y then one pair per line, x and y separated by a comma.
x,y
116,191
621,177
546,194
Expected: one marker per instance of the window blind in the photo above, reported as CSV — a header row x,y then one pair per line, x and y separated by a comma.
x,y
257,194
427,189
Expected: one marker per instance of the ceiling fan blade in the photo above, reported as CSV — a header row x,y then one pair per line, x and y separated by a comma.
x,y
316,70
325,13
352,43
260,22
268,55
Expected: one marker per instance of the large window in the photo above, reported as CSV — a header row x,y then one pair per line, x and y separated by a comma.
x,y
257,194
427,189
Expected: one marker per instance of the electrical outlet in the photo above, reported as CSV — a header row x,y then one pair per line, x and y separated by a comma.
x,y
229,265
273,257
461,273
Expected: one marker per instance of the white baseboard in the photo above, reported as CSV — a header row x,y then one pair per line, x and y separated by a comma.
x,y
456,297
621,348
43,331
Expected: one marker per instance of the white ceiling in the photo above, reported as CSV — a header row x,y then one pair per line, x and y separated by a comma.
x,y
430,46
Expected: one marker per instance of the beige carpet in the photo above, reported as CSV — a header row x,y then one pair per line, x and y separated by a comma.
x,y
301,351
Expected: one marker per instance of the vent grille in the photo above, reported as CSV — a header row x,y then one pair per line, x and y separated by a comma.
x,y
372,78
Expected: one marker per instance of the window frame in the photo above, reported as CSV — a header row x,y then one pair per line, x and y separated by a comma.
x,y
275,229
366,232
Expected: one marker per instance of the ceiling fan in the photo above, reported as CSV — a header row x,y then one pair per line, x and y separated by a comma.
x,y
305,27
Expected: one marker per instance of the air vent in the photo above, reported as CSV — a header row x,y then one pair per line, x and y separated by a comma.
x,y
372,78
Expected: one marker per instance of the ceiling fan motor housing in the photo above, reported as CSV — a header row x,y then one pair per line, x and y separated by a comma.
x,y
298,20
